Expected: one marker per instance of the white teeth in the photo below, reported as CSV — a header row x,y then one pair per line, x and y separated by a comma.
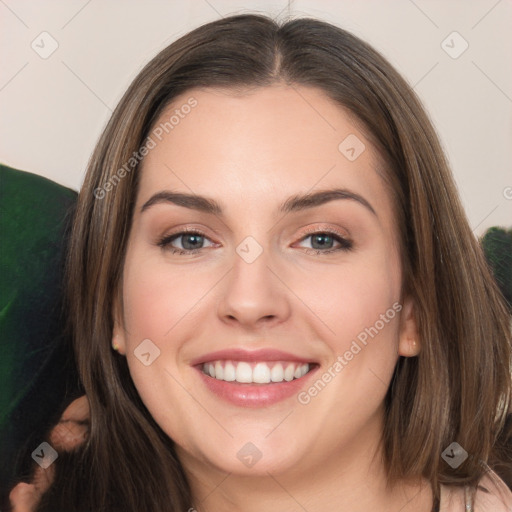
x,y
259,373
219,371
229,372
277,373
288,373
244,372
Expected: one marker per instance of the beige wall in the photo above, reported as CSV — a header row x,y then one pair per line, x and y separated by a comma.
x,y
53,109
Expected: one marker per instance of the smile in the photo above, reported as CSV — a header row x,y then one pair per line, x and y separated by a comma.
x,y
260,372
254,378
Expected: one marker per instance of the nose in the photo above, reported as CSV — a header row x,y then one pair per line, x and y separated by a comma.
x,y
254,294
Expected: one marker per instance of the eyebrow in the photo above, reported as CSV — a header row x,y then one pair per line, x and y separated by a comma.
x,y
294,203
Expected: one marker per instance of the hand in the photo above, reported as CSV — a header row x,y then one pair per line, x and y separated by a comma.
x,y
70,432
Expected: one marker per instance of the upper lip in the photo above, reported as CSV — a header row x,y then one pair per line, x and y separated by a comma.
x,y
240,354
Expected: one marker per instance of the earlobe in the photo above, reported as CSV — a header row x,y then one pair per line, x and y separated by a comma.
x,y
409,340
409,348
115,344
118,338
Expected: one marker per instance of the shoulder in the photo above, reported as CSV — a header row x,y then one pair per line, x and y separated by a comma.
x,y
492,495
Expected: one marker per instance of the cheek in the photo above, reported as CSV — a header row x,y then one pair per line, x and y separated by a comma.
x,y
157,297
354,298
159,388
361,307
363,300
161,304
154,302
362,310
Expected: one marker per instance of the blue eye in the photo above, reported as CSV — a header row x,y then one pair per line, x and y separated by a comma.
x,y
191,243
322,242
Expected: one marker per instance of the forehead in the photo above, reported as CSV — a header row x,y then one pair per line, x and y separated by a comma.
x,y
270,142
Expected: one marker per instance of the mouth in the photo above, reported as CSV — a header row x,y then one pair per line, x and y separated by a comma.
x,y
254,378
262,372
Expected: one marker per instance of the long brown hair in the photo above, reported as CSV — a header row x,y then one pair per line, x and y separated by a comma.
x,y
457,389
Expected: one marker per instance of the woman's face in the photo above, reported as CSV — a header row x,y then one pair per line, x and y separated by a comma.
x,y
276,277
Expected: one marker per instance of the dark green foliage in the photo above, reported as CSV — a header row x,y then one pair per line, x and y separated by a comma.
x,y
497,245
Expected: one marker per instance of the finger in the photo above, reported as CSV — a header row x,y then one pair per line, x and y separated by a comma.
x,y
77,410
73,426
24,497
67,435
43,478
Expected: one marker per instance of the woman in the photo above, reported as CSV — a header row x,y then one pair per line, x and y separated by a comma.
x,y
276,299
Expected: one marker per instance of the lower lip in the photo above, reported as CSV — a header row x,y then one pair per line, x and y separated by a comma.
x,y
255,395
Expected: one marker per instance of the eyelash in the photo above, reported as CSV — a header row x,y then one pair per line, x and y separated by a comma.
x,y
345,243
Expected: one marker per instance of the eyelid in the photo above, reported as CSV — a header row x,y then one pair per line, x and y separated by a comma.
x,y
326,229
341,233
184,230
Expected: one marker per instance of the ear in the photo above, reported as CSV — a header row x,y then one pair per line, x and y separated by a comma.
x,y
118,333
409,339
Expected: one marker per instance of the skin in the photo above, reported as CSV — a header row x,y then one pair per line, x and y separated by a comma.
x,y
250,152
